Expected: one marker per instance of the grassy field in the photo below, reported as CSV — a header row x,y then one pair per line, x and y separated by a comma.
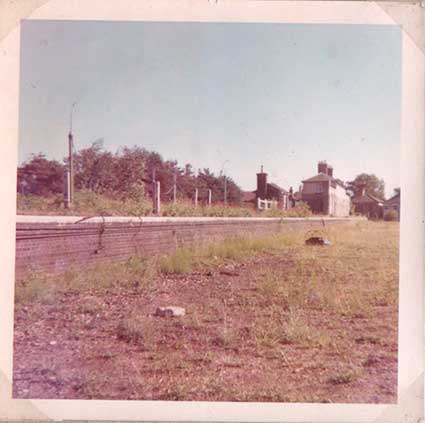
x,y
88,203
266,320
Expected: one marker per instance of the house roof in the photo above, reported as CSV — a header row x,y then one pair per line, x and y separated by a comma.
x,y
367,198
248,196
393,199
277,187
322,177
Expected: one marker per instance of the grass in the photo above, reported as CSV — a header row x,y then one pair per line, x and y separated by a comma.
x,y
288,322
317,277
330,277
216,253
131,331
88,203
344,377
142,272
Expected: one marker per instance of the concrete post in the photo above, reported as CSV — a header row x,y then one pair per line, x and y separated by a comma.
x,y
209,197
196,197
67,190
225,191
174,188
157,198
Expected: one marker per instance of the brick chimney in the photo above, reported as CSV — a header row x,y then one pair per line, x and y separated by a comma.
x,y
262,184
322,167
330,171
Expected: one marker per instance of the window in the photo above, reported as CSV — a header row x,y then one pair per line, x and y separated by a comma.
x,y
318,188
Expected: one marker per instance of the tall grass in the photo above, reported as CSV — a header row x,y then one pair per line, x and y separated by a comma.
x,y
88,203
349,277
215,253
141,272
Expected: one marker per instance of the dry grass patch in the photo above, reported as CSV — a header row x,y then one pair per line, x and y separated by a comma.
x,y
344,376
137,331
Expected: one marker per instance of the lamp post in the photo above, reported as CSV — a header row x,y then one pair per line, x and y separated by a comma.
x,y
70,170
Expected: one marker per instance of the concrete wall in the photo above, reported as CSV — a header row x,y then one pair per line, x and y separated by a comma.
x,y
339,202
53,244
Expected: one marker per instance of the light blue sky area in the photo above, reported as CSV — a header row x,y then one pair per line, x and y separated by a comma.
x,y
280,95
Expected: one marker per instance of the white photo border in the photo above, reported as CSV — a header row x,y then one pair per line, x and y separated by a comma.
x,y
412,155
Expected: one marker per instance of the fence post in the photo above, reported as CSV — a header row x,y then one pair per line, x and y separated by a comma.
x,y
68,190
174,188
196,197
225,191
209,197
157,198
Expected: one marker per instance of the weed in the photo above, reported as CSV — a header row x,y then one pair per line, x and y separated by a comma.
x,y
89,309
343,377
131,331
35,288
179,262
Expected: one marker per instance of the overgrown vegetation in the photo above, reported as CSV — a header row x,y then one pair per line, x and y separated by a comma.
x,y
267,319
89,203
391,216
126,174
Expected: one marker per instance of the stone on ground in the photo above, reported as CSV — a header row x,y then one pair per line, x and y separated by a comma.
x,y
170,311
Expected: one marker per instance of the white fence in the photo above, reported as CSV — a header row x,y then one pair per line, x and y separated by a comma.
x,y
266,204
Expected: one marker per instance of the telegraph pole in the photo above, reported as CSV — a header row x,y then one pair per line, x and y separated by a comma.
x,y
70,170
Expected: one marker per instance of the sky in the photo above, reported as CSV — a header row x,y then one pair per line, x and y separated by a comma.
x,y
225,96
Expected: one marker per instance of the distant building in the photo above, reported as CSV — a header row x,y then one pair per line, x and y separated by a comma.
x,y
367,204
326,194
268,191
393,204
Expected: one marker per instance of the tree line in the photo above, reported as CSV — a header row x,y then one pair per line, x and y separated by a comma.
x,y
127,173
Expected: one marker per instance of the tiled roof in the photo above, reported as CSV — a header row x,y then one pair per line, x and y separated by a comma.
x,y
367,198
322,177
393,199
248,195
275,186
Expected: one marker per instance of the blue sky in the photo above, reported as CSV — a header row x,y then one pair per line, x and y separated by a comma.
x,y
280,95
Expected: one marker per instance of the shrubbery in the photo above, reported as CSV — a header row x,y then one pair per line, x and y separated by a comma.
x,y
391,216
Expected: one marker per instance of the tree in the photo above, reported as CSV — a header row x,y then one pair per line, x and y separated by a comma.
x,y
207,180
95,169
129,170
372,184
41,176
128,173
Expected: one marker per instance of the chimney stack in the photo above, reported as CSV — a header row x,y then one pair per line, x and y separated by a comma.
x,y
322,167
262,184
330,171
